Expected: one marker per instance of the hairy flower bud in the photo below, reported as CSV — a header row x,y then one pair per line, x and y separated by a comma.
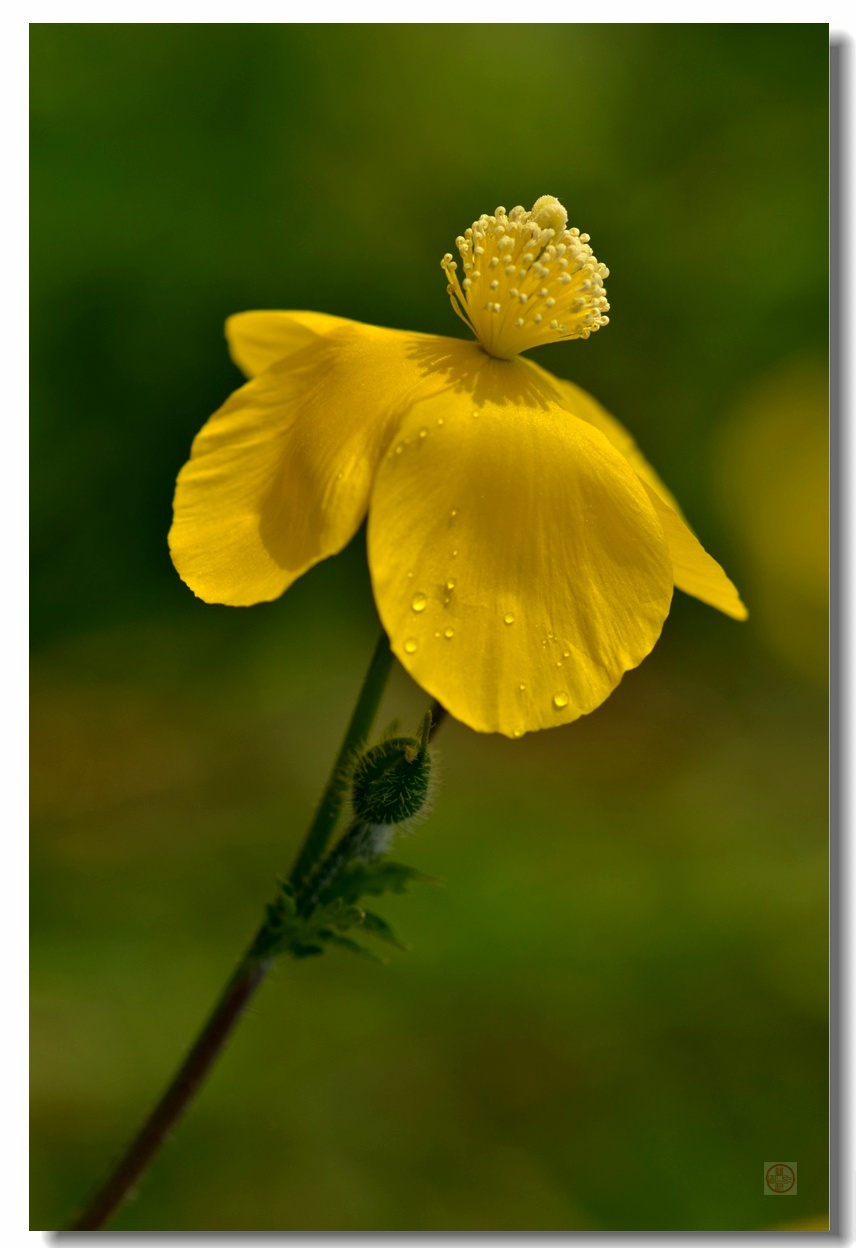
x,y
391,780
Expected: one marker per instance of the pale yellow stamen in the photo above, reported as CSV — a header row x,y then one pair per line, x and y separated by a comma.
x,y
527,279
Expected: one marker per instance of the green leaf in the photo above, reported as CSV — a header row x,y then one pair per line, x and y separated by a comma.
x,y
298,950
379,928
374,878
345,942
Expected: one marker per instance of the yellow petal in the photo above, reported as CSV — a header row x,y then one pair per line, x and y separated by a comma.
x,y
696,572
279,477
517,563
259,339
587,408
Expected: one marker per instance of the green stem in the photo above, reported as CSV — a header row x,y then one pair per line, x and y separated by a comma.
x,y
249,974
356,736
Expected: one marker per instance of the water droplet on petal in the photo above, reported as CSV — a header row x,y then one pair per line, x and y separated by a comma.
x,y
411,645
521,686
441,420
560,701
518,732
418,602
508,617
423,433
410,576
448,633
455,554
453,512
339,475
558,662
399,448
566,654
450,584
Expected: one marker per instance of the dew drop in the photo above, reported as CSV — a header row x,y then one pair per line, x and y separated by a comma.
x,y
508,617
423,433
560,701
418,602
437,633
410,576
455,554
453,512
451,583
566,654
558,662
521,686
448,633
518,732
411,645
399,448
441,420
339,475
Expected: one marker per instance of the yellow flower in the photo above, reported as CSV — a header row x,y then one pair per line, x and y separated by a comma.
x,y
522,552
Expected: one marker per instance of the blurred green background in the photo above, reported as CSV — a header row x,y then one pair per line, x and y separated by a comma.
x,y
615,1011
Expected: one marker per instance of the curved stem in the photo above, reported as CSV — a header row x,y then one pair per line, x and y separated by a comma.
x,y
177,1097
249,974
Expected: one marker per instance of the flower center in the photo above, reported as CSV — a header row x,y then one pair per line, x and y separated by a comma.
x,y
527,279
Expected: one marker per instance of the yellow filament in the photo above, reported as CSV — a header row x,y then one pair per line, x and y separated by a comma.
x,y
527,279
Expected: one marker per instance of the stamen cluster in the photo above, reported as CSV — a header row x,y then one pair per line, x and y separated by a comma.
x,y
527,279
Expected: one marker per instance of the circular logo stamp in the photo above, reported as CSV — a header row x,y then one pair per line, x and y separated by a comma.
x,y
780,1178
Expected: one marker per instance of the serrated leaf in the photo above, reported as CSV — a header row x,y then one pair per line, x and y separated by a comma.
x,y
298,950
374,878
379,928
350,917
273,914
345,942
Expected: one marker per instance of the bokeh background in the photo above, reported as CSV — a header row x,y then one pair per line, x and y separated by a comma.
x,y
615,1010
